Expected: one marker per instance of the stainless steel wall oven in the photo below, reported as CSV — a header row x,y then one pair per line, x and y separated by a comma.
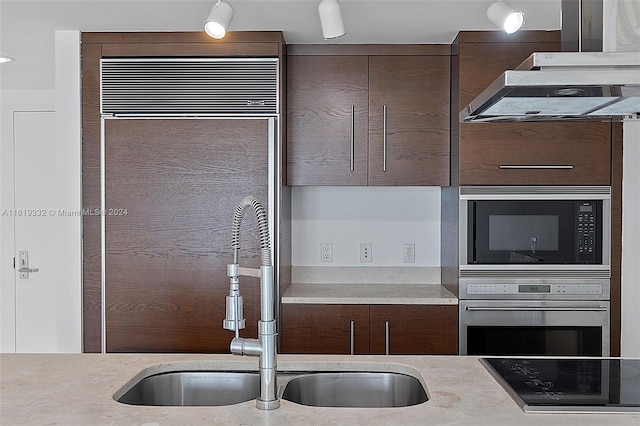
x,y
534,270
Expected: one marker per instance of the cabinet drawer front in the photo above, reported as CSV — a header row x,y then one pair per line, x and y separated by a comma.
x,y
535,154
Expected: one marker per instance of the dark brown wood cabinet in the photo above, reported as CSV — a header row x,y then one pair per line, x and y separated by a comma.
x,y
413,329
162,264
165,260
359,115
327,120
407,329
558,153
535,154
324,329
408,122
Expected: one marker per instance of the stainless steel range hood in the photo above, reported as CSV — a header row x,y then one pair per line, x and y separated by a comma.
x,y
575,86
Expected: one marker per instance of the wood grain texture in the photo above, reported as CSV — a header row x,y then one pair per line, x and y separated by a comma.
x,y
324,329
526,36
414,329
415,91
483,148
96,45
616,237
179,182
191,50
368,49
321,90
585,146
454,121
91,246
482,63
320,93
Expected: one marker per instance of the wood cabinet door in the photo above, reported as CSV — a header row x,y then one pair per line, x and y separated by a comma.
x,y
172,186
409,120
536,154
324,329
327,120
414,329
482,63
560,153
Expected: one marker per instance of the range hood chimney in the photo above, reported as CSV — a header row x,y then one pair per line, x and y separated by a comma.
x,y
580,83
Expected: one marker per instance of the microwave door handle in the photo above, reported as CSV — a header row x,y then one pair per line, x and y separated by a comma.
x,y
534,308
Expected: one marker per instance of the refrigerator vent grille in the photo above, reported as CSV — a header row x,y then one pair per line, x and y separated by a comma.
x,y
189,86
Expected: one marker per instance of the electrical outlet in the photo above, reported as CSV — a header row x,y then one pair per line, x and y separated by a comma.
x,y
326,252
365,253
409,253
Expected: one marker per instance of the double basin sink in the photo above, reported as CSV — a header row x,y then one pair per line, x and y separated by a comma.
x,y
362,389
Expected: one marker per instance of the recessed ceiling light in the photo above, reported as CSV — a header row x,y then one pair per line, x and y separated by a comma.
x,y
4,59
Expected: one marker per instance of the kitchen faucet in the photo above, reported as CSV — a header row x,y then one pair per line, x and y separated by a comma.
x,y
265,345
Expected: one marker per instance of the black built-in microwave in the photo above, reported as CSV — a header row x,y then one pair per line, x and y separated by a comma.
x,y
535,231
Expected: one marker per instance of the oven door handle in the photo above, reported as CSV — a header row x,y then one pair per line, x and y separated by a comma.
x,y
535,308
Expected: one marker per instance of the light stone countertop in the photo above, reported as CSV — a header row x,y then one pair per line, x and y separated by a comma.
x,y
78,389
369,294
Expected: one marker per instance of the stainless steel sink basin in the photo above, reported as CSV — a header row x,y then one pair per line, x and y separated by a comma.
x,y
180,385
355,389
188,388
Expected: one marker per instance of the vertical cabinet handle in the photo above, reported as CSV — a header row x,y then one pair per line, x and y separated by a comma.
x,y
353,135
386,337
384,138
352,339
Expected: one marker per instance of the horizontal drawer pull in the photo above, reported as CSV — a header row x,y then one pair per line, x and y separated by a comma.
x,y
534,166
536,308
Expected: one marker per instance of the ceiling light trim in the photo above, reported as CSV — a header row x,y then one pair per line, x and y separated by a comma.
x,y
505,17
219,19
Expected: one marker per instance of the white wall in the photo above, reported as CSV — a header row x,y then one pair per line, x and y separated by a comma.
x,y
387,217
69,190
630,345
10,102
65,100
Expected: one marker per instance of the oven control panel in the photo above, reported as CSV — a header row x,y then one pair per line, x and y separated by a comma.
x,y
586,231
539,289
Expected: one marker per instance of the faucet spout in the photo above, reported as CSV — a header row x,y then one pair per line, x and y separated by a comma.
x,y
265,346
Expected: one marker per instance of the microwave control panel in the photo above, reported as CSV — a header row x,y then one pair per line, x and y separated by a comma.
x,y
551,289
586,231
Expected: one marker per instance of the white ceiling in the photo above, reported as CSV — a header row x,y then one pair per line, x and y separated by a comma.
x,y
27,27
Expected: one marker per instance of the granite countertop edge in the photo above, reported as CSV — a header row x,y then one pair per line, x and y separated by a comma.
x,y
79,389
370,294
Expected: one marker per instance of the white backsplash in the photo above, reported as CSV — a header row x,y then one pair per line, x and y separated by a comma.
x,y
365,275
386,217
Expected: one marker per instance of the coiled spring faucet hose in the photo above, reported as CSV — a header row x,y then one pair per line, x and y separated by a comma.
x,y
263,229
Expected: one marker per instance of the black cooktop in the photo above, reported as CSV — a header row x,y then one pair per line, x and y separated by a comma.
x,y
577,385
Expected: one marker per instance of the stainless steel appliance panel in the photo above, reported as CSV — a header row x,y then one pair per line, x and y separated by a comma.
x,y
563,328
